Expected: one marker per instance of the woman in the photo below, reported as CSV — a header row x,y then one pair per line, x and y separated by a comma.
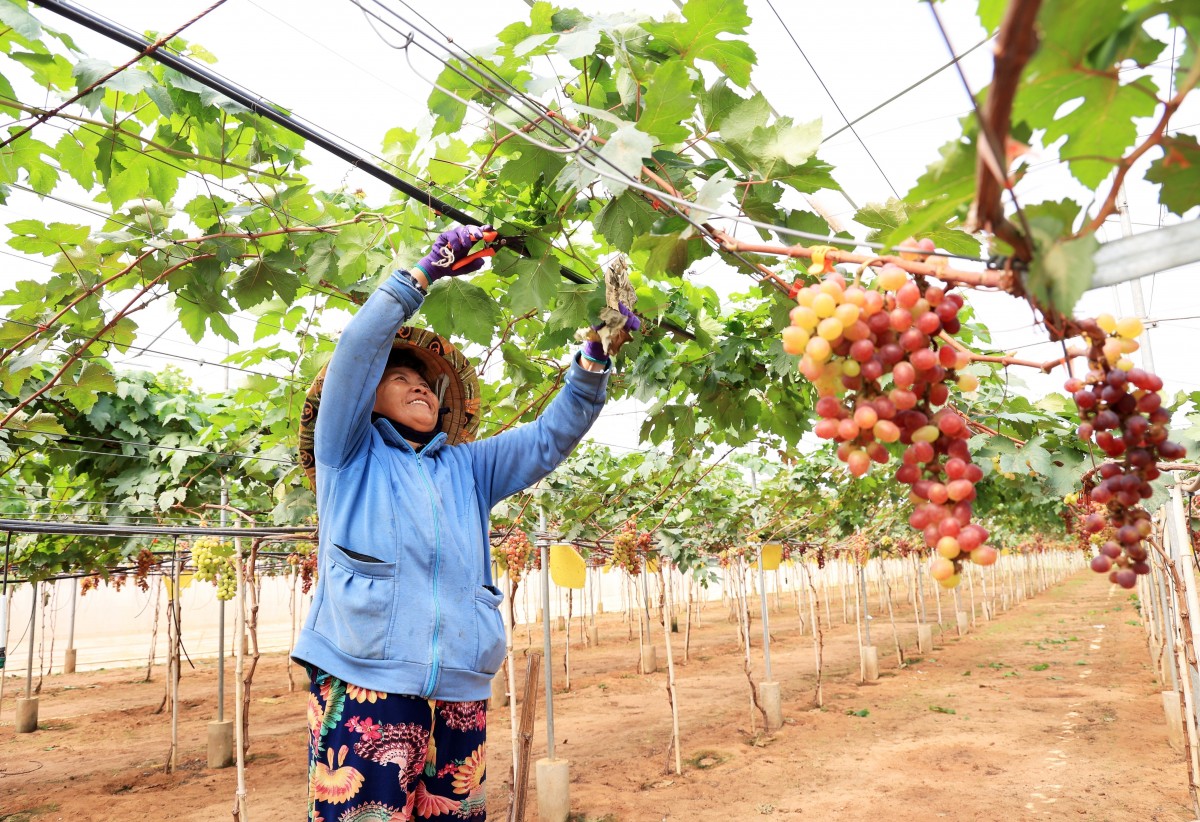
x,y
405,633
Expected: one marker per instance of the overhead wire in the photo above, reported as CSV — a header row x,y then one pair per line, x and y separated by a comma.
x,y
683,208
582,144
906,90
538,123
829,93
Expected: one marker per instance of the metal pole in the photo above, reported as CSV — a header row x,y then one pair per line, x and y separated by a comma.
x,y
543,549
4,605
644,615
1180,550
866,611
766,626
71,614
221,605
32,629
1135,286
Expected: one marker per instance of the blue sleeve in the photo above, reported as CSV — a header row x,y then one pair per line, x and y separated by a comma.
x,y
512,461
348,396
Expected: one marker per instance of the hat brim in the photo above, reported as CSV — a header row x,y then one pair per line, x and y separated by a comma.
x,y
440,358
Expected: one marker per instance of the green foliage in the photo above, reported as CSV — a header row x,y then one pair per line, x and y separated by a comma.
x,y
710,366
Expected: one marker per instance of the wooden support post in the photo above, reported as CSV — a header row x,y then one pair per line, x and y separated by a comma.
x,y
533,669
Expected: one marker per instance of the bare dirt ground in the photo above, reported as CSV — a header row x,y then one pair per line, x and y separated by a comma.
x,y
1051,711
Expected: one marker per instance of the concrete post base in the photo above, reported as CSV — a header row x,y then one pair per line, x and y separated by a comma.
x,y
1170,701
553,789
649,659
964,622
925,638
69,661
560,623
220,744
27,714
499,690
870,663
599,607
593,636
1004,602
769,700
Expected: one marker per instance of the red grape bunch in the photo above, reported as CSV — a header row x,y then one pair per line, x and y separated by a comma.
x,y
630,548
304,559
1121,412
883,376
514,555
145,559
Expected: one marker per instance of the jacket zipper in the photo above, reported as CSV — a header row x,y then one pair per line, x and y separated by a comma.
x,y
431,680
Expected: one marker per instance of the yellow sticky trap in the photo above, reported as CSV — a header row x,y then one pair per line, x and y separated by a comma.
x,y
652,565
185,579
772,555
567,567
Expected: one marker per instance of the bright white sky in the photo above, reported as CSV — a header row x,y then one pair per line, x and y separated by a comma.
x,y
321,59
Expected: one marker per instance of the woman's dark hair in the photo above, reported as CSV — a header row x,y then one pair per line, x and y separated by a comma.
x,y
403,358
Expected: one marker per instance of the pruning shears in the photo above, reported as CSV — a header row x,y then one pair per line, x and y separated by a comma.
x,y
492,242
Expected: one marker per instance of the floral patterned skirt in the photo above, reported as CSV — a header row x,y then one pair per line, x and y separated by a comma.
x,y
376,757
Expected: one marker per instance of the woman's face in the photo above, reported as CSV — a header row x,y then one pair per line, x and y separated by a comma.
x,y
403,396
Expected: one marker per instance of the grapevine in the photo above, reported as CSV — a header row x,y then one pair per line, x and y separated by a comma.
x,y
1121,411
850,338
214,563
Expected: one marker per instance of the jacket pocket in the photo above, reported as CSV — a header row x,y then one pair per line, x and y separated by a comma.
x,y
357,609
491,629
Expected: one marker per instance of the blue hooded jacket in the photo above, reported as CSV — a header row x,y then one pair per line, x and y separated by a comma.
x,y
404,601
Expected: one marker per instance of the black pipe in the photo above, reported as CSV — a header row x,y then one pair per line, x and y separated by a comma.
x,y
255,103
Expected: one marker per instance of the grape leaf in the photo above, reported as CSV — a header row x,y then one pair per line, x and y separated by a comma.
x,y
942,195
576,306
668,103
40,423
536,284
886,218
623,219
1178,173
20,20
712,194
699,37
353,244
457,307
626,149
261,280
1061,269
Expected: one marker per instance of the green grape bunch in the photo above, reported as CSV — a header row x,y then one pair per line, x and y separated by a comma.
x,y
214,563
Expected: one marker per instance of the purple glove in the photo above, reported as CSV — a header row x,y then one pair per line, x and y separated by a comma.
x,y
453,246
594,349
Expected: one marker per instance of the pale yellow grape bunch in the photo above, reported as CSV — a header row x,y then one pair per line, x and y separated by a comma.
x,y
1122,339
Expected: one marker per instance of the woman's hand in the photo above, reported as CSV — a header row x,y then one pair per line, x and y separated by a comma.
x,y
595,358
450,246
